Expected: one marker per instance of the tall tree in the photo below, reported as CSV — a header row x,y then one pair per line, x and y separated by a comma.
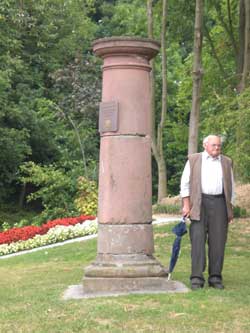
x,y
241,33
246,54
157,138
197,80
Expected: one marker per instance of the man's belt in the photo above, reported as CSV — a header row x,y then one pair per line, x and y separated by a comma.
x,y
213,195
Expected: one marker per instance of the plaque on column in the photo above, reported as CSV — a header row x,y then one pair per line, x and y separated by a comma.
x,y
108,117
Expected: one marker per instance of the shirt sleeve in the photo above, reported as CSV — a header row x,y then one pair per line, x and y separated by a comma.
x,y
185,180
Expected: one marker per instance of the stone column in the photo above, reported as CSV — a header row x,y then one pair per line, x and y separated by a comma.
x,y
125,261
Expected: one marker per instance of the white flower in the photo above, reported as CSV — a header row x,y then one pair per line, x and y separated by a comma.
x,y
54,235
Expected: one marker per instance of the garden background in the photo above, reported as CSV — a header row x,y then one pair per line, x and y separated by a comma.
x,y
50,89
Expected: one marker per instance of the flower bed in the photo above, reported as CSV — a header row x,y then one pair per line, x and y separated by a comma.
x,y
25,233
55,234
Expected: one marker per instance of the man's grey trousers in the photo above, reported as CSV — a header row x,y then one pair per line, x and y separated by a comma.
x,y
212,228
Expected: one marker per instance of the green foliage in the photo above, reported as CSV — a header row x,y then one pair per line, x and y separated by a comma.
x,y
241,144
5,226
123,18
77,90
229,116
8,225
86,198
61,191
55,188
50,86
37,39
12,215
14,149
176,127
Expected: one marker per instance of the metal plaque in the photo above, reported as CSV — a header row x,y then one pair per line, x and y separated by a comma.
x,y
108,117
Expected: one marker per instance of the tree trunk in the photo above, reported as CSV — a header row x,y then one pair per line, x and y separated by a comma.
x,y
240,61
246,62
231,32
162,170
152,63
197,79
162,179
22,196
157,143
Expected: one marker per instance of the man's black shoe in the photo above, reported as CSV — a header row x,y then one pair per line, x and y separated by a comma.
x,y
216,285
196,286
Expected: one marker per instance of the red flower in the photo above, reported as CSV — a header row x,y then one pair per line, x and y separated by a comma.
x,y
24,233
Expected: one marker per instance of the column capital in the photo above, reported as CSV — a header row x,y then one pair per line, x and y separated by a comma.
x,y
145,47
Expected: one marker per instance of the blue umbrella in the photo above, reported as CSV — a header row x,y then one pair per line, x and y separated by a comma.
x,y
179,230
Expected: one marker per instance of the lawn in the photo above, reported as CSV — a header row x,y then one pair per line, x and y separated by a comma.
x,y
31,288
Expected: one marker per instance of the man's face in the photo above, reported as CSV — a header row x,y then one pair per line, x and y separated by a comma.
x,y
213,146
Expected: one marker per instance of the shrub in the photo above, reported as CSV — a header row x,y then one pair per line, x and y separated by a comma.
x,y
5,226
56,188
239,212
166,209
176,209
86,201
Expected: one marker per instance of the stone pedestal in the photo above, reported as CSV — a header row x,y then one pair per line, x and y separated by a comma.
x,y
125,261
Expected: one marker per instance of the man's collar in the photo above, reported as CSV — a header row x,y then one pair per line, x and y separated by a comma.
x,y
207,156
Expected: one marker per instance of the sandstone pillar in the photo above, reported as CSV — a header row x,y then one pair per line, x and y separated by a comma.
x,y
125,261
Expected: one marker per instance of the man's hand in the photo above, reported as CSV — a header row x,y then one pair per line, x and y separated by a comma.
x,y
230,219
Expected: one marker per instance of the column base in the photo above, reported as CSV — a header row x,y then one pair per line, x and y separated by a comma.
x,y
120,286
125,266
112,275
104,287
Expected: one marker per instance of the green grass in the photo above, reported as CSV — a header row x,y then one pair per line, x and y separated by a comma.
x,y
31,287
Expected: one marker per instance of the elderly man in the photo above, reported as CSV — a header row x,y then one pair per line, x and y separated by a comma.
x,y
207,195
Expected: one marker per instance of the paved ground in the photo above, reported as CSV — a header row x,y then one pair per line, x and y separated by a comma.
x,y
157,219
163,218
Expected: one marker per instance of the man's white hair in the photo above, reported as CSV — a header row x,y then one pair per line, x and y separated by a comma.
x,y
210,136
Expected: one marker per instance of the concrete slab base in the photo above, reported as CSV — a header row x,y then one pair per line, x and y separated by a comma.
x,y
127,287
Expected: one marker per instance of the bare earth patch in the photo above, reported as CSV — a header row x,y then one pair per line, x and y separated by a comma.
x,y
171,200
242,192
